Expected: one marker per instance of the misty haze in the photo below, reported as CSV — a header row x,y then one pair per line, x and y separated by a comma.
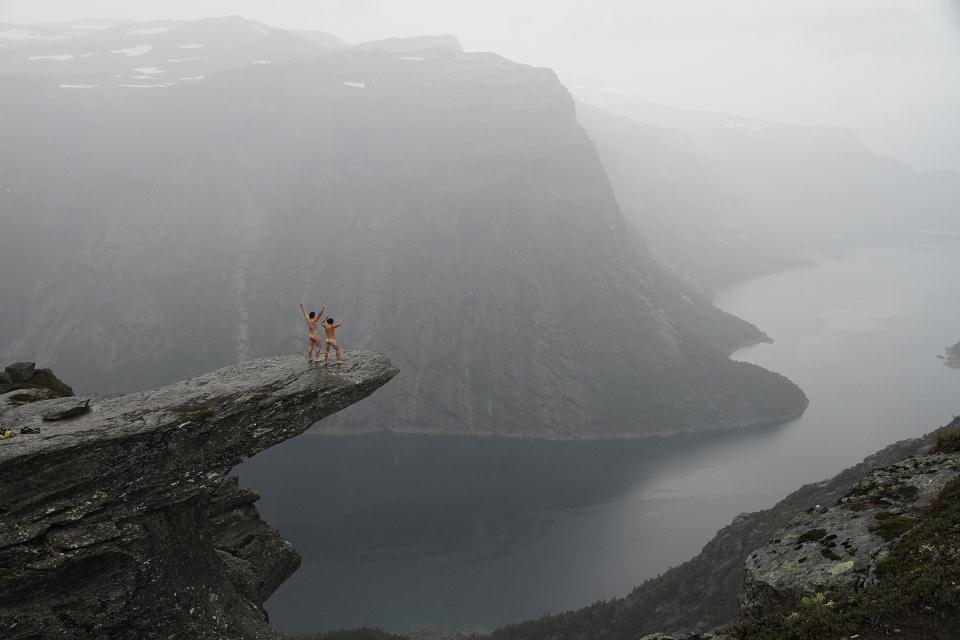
x,y
344,321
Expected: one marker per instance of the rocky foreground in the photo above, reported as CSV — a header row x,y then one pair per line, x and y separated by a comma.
x,y
117,518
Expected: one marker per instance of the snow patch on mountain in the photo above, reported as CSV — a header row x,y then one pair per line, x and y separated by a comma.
x,y
151,31
57,56
19,34
138,50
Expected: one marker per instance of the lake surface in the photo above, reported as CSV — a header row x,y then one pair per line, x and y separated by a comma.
x,y
409,531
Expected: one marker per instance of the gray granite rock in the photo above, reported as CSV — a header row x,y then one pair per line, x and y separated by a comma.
x,y
19,397
21,371
65,408
833,550
121,523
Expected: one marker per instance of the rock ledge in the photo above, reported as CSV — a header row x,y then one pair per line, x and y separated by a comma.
x,y
120,522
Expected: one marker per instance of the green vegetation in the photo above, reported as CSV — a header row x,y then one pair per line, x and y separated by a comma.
x,y
889,526
948,440
917,590
45,379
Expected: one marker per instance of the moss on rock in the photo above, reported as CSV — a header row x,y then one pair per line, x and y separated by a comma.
x,y
917,590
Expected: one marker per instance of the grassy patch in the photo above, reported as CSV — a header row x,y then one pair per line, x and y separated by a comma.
x,y
890,527
948,441
44,379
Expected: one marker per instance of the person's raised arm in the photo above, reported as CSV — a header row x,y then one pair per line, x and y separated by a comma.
x,y
304,312
338,323
320,313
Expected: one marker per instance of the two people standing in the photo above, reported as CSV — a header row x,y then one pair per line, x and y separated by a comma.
x,y
313,337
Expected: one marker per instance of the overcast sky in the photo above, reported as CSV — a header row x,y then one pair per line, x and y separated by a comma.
x,y
889,69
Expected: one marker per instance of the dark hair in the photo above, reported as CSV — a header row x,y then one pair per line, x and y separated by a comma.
x,y
329,320
313,314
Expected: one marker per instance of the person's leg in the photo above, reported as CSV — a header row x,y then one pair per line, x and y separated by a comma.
x,y
339,355
326,352
309,349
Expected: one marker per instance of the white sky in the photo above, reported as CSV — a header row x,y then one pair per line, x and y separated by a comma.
x,y
890,69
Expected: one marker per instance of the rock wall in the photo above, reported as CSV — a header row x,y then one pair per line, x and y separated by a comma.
x,y
121,522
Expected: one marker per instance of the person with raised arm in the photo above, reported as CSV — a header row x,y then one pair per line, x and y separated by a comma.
x,y
329,326
313,336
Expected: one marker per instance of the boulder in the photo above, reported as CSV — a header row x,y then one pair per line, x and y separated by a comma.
x,y
834,550
65,408
21,371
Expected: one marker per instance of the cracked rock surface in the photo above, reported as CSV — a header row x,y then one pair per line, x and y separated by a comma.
x,y
120,521
832,550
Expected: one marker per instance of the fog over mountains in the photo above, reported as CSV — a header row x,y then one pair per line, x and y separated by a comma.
x,y
804,182
170,191
695,223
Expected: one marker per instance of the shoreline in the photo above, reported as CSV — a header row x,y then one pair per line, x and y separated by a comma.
x,y
660,435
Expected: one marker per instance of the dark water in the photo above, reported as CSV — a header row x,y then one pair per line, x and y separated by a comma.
x,y
407,532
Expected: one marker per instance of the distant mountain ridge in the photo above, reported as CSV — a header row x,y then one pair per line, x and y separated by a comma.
x,y
446,204
808,182
694,222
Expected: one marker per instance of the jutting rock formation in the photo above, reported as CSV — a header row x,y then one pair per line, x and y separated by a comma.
x,y
118,520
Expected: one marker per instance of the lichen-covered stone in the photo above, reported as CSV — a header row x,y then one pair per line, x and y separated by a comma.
x,y
121,523
834,550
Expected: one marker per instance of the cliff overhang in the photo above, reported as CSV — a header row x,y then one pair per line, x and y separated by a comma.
x,y
117,515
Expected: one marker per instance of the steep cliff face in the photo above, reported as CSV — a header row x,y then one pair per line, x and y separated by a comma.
x,y
808,182
446,204
119,520
694,222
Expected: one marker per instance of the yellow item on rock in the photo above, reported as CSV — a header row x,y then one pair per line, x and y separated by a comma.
x,y
6,434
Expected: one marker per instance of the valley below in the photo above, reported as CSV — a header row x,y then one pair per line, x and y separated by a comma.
x,y
457,533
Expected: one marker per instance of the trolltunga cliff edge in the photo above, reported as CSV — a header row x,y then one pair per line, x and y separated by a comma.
x,y
121,522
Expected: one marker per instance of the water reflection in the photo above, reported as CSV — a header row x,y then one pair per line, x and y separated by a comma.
x,y
412,531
